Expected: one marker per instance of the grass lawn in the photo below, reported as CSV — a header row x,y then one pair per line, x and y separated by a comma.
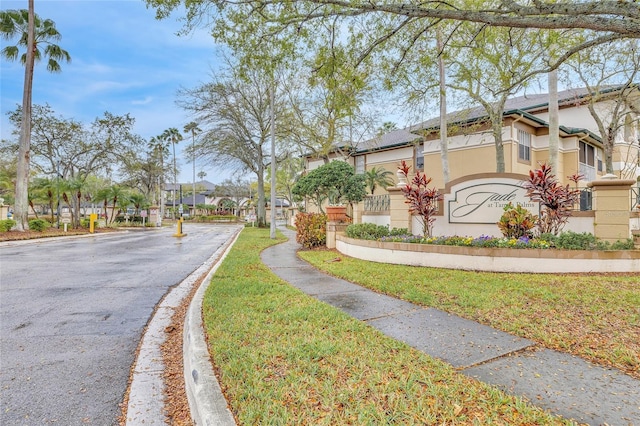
x,y
594,316
284,358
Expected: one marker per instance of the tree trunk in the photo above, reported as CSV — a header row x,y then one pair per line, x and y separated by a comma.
x,y
497,134
608,150
444,149
260,209
554,127
21,207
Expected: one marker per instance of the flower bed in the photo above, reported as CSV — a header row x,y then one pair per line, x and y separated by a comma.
x,y
494,259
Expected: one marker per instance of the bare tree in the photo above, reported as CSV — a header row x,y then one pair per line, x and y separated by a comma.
x,y
233,112
609,76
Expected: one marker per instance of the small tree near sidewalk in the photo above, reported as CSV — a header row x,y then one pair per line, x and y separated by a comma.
x,y
335,182
422,200
556,201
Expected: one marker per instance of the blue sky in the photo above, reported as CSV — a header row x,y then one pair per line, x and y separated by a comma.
x,y
123,61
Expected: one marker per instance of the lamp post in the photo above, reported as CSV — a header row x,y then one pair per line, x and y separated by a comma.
x,y
58,190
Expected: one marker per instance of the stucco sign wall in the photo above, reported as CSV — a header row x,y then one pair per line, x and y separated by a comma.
x,y
483,200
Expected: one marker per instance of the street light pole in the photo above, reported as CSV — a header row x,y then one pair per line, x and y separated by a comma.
x,y
273,168
58,190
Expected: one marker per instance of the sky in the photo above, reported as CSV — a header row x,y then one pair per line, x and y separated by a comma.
x,y
123,61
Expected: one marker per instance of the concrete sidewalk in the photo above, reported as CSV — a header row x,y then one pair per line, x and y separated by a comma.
x,y
555,381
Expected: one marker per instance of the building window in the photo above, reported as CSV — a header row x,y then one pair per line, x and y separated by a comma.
x,y
587,161
419,156
360,164
524,146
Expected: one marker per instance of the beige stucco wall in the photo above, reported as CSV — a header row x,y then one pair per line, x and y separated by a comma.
x,y
462,162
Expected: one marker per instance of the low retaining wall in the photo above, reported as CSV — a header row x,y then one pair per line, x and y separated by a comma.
x,y
491,259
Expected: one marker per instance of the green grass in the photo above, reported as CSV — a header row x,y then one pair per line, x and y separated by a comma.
x,y
595,316
284,358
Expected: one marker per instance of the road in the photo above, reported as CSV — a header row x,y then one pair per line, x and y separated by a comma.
x,y
72,312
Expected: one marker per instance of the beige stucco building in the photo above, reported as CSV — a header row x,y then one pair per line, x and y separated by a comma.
x,y
525,138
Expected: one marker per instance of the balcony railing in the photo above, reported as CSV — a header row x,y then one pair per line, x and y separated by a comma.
x,y
589,172
376,203
635,198
586,199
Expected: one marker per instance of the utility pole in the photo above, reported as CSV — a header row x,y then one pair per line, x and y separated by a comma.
x,y
273,167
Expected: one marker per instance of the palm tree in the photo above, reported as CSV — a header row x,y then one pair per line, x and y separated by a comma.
x,y
387,127
31,32
159,148
378,176
193,128
43,190
173,136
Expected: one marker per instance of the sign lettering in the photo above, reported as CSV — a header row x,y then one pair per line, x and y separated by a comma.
x,y
485,202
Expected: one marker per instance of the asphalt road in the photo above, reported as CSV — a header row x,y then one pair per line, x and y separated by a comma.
x,y
72,312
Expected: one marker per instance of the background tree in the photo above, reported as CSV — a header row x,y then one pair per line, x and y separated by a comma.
x,y
387,126
378,176
32,33
75,151
609,73
607,19
490,74
235,189
159,150
333,96
8,166
192,129
234,113
173,137
142,171
289,171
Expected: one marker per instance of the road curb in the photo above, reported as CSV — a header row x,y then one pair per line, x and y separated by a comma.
x,y
146,395
207,403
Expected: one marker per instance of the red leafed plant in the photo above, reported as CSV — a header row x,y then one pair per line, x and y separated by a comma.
x,y
423,201
556,201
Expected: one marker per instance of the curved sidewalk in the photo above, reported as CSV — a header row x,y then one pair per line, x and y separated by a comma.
x,y
561,383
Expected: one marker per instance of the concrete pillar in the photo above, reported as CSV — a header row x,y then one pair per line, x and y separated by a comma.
x,y
612,207
398,210
333,229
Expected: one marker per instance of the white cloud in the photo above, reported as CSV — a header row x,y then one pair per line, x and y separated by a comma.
x,y
123,61
145,101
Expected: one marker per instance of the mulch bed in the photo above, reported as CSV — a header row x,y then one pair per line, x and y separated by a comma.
x,y
48,233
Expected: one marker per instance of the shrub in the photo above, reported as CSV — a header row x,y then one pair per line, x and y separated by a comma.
x,y
6,225
398,231
86,222
367,231
576,241
556,201
584,241
516,222
38,225
311,229
618,245
422,200
547,236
